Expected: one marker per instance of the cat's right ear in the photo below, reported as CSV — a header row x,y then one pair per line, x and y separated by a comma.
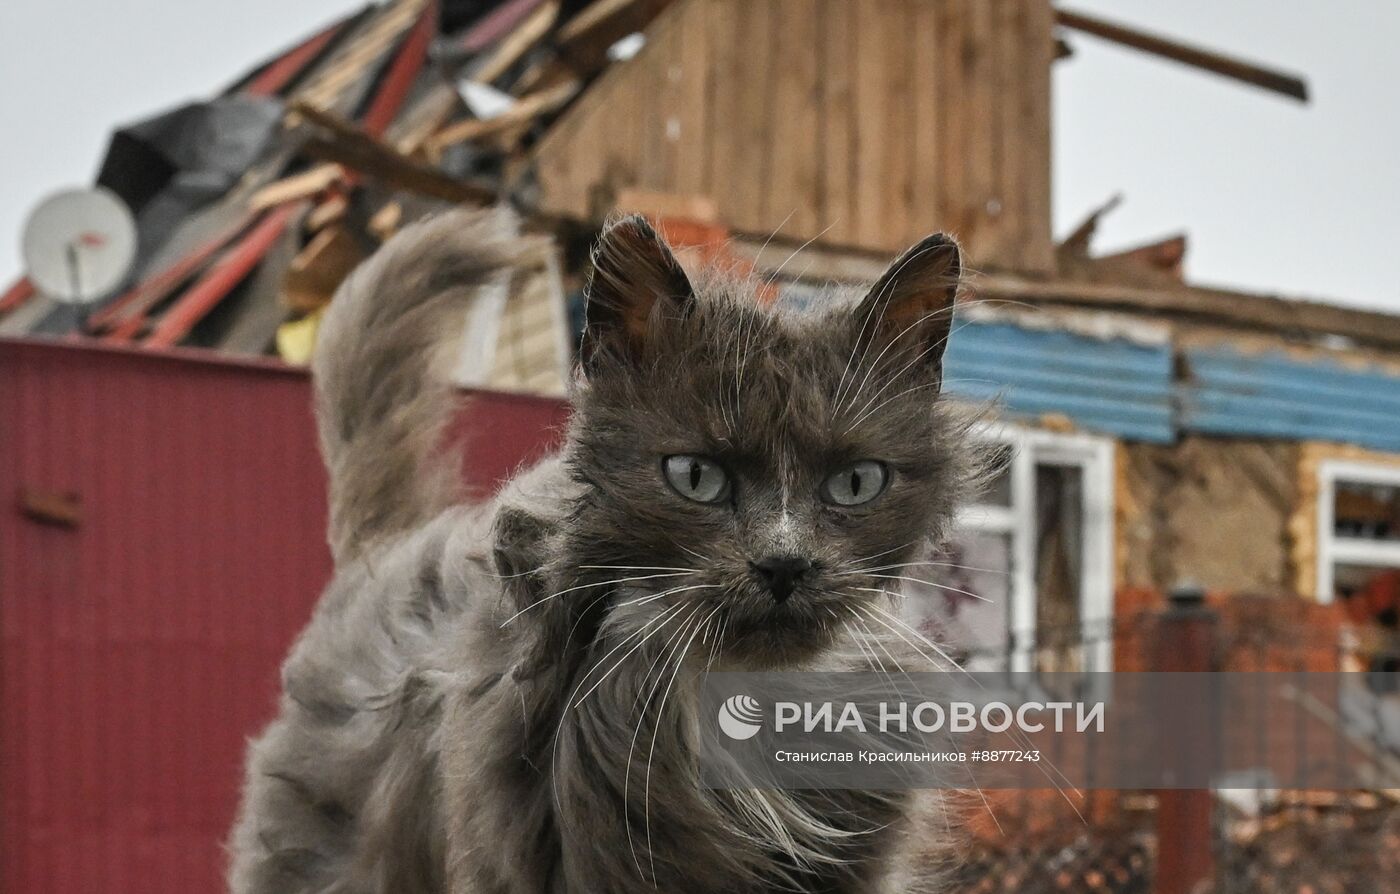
x,y
635,277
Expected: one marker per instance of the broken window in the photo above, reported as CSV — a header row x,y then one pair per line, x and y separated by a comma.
x,y
1359,559
1025,583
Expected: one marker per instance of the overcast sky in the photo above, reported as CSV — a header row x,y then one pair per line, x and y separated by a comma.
x,y
1276,196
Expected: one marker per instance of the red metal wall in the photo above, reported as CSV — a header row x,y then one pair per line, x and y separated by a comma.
x,y
139,649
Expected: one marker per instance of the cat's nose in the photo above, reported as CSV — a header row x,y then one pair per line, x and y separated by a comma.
x,y
780,574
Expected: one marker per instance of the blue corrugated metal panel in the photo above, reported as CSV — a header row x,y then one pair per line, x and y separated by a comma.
x,y
1108,385
1275,395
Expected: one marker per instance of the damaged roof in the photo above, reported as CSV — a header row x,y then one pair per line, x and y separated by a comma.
x,y
253,205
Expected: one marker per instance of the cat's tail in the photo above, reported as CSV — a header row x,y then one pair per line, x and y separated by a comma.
x,y
384,355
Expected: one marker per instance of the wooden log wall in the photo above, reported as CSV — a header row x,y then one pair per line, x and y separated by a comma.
x,y
859,123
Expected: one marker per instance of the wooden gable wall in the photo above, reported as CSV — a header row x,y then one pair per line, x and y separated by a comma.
x,y
861,123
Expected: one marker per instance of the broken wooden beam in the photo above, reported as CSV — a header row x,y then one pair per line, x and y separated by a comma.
x,y
339,141
527,109
518,42
1077,242
302,185
583,41
317,271
1268,313
1227,66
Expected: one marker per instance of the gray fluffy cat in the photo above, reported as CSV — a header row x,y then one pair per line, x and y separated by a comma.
x,y
475,702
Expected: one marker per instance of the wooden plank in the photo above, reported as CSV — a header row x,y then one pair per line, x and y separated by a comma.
x,y
588,151
394,86
657,104
526,109
664,205
1269,79
585,38
693,100
837,128
495,25
873,109
897,23
1038,52
593,18
981,121
1266,313
328,212
127,311
726,88
792,179
753,36
344,144
953,116
317,271
582,43
517,43
350,61
1004,236
302,185
926,100
622,137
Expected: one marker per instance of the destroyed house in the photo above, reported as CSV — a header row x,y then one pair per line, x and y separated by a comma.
x,y
1145,422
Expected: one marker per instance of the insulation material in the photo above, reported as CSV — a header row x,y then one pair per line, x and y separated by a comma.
x,y
1212,511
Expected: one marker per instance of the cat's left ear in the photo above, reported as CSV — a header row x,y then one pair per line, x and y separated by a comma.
x,y
635,277
911,304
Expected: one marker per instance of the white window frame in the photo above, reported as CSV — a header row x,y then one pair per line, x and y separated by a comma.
x,y
1333,550
1094,457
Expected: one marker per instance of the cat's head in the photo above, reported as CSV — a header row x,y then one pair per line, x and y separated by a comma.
x,y
756,477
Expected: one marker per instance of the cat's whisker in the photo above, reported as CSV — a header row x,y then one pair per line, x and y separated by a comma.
x,y
922,562
668,615
656,728
675,609
585,586
918,580
643,600
868,609
705,560
885,552
639,568
1021,738
855,423
865,649
773,277
663,656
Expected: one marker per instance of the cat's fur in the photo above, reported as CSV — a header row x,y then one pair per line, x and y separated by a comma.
x,y
466,711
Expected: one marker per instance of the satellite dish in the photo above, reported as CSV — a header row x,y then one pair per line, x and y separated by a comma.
x,y
79,244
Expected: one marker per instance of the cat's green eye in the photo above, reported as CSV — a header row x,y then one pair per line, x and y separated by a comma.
x,y
696,477
857,483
